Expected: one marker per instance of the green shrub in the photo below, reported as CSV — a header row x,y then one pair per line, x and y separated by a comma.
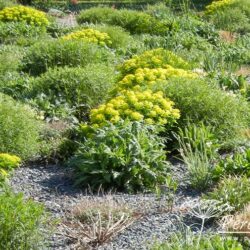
x,y
122,41
150,41
134,21
61,53
20,33
160,11
22,223
187,241
15,84
201,101
232,82
126,156
19,133
10,57
231,15
234,191
6,3
238,163
78,88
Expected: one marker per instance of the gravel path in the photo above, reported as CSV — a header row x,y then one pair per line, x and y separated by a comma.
x,y
68,21
53,186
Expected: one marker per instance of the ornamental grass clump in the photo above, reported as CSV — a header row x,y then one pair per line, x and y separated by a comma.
x,y
90,35
24,14
157,58
150,107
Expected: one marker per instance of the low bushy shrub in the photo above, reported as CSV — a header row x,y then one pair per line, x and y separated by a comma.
x,y
22,223
134,21
198,101
61,53
24,14
126,156
231,15
122,41
10,57
218,5
90,35
15,84
234,191
157,58
6,3
153,108
78,88
19,133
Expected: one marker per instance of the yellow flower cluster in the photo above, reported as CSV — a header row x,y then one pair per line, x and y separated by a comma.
x,y
149,77
7,163
157,58
90,35
146,106
24,14
217,5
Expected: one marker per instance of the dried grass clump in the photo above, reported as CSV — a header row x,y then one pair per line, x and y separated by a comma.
x,y
97,219
238,223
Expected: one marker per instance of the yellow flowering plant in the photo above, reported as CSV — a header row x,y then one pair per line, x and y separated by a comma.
x,y
90,35
157,58
3,175
148,77
218,5
21,13
145,106
8,161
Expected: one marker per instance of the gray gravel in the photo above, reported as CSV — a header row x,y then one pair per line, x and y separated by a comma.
x,y
52,186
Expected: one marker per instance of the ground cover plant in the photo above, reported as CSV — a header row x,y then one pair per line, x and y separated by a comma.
x,y
149,101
